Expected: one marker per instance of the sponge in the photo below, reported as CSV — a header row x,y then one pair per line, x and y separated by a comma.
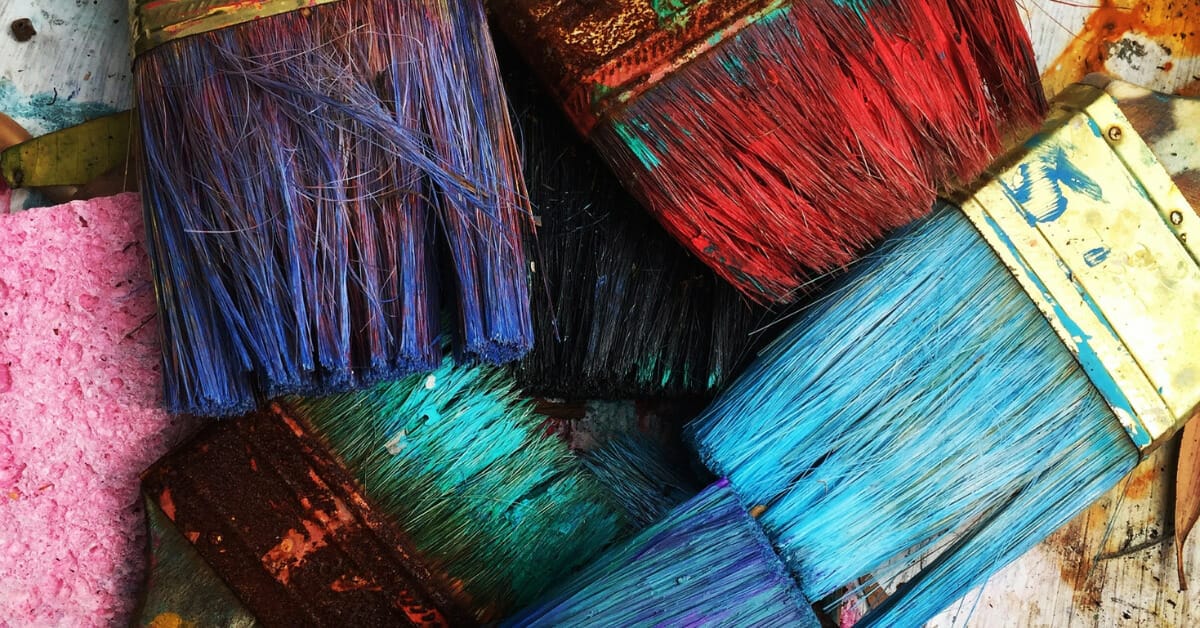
x,y
79,411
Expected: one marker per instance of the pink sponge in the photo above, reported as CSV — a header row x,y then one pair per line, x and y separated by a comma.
x,y
79,417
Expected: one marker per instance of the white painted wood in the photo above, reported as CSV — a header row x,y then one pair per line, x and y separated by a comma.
x,y
76,66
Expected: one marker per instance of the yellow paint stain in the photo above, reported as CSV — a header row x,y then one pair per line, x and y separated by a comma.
x,y
1169,23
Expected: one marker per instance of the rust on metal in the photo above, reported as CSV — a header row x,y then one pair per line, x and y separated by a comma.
x,y
285,526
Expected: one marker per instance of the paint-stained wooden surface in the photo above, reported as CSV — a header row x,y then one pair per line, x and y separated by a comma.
x,y
75,68
1112,566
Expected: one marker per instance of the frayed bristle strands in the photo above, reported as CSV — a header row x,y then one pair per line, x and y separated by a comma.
x,y
777,140
925,394
490,504
468,468
303,174
620,310
706,563
971,386
640,474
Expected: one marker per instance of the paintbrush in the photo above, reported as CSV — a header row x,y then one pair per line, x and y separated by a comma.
x,y
454,468
989,371
642,475
620,310
304,163
706,563
776,139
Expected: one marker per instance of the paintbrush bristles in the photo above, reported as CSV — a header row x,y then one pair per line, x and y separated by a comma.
x,y
301,173
789,148
705,564
637,472
925,398
620,309
468,470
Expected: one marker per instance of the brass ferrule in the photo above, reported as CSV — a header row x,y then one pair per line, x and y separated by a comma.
x,y
156,22
1092,225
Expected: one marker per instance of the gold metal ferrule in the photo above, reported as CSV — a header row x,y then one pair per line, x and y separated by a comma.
x,y
156,22
1093,227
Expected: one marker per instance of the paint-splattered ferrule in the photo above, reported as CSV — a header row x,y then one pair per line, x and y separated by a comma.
x,y
1093,226
595,56
283,523
156,22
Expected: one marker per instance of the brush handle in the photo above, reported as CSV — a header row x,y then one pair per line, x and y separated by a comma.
x,y
1170,126
284,525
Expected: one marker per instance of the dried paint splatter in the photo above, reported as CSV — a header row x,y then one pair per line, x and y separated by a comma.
x,y
1151,42
49,111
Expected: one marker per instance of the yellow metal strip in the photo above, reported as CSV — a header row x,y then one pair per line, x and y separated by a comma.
x,y
156,22
1092,242
71,156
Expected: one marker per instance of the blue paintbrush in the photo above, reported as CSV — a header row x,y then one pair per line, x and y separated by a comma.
x,y
988,372
304,165
706,563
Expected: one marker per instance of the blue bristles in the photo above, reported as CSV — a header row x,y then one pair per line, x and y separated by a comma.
x,y
301,174
706,564
926,400
637,472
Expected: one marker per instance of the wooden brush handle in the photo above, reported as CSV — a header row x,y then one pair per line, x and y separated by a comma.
x,y
1170,125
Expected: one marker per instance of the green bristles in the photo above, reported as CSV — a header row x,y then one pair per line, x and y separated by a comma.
x,y
465,466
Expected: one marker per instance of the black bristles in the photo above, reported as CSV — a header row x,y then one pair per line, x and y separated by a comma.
x,y
620,309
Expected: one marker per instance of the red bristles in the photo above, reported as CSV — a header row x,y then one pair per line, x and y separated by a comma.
x,y
786,150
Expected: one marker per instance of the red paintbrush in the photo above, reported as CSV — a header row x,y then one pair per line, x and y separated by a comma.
x,y
777,139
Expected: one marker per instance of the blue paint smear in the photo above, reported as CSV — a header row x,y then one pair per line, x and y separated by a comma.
x,y
1096,256
1053,167
48,111
1088,358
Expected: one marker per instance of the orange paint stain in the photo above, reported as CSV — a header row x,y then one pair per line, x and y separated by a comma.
x,y
1143,479
1169,23
167,504
353,583
1071,544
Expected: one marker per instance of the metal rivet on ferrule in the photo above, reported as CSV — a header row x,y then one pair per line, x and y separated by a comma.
x,y
1176,217
1114,133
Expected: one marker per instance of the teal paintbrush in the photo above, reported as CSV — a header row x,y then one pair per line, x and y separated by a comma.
x,y
310,508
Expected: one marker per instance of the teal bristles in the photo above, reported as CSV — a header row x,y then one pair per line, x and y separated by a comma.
x,y
706,564
637,472
926,400
465,467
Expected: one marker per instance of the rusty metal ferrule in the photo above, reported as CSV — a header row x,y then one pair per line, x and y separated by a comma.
x,y
156,22
596,56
